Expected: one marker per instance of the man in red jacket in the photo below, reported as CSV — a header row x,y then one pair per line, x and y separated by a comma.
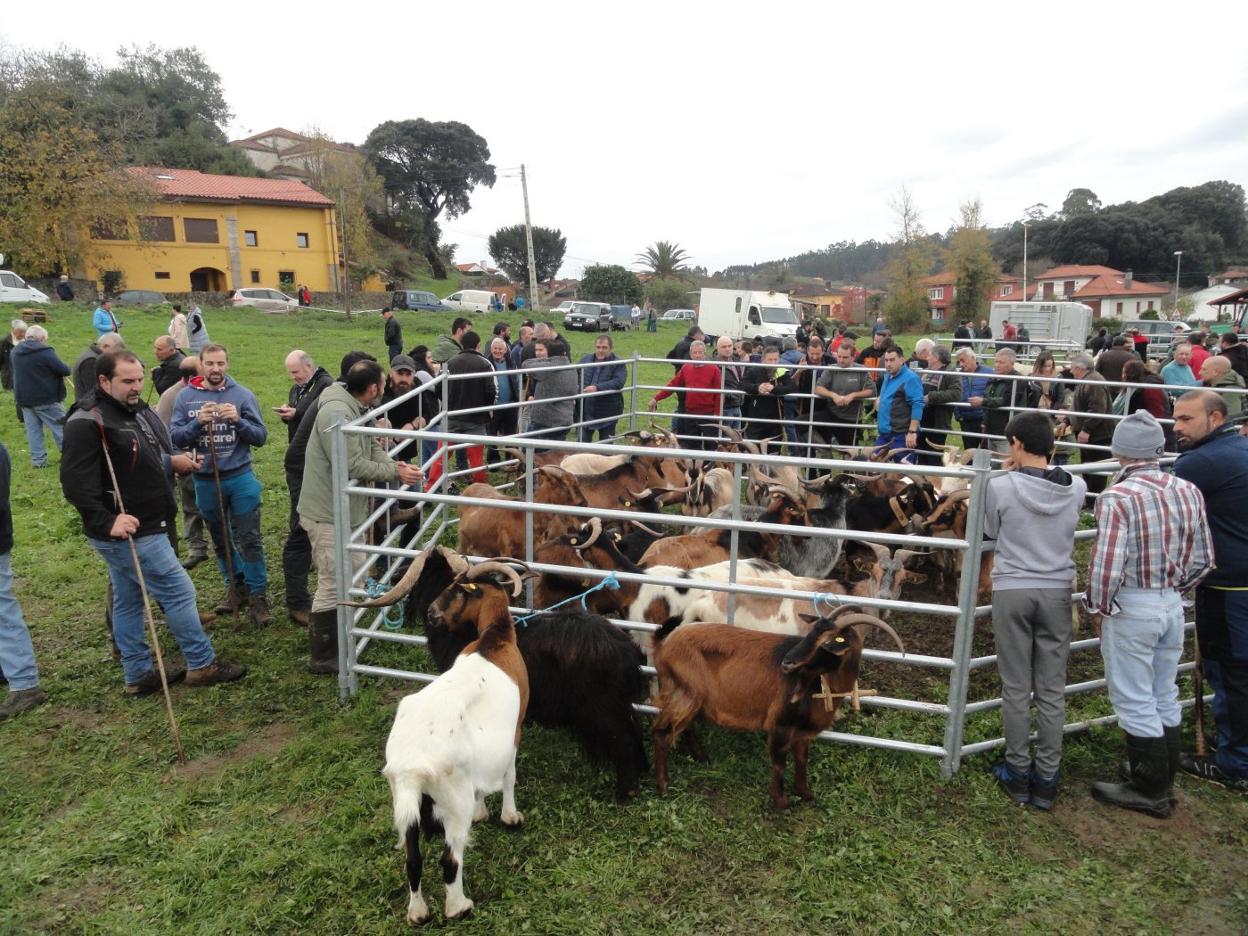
x,y
699,381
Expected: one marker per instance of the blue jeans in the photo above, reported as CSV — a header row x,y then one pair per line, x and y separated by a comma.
x,y
732,417
1229,682
51,415
1141,646
791,414
169,586
242,503
17,653
898,439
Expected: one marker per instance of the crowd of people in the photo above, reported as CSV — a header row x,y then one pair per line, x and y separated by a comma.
x,y
130,469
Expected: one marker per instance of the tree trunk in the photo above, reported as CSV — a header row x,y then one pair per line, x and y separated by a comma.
x,y
435,261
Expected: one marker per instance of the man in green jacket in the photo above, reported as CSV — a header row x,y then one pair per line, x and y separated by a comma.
x,y
366,461
447,346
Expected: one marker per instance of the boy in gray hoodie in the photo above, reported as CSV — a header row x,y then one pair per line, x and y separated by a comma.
x,y
1032,511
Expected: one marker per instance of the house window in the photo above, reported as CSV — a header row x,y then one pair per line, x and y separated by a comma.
x,y
286,278
1150,305
1007,290
200,230
301,240
162,275
255,276
156,228
114,231
1118,309
1068,287
936,292
1048,292
250,239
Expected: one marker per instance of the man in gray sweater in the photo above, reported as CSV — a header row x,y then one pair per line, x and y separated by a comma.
x,y
1032,511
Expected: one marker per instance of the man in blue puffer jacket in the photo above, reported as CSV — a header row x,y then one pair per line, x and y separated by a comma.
x,y
971,418
214,404
608,373
900,407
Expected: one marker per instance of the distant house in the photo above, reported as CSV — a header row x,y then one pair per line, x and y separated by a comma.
x,y
846,303
1204,308
284,154
940,292
212,233
1109,292
475,269
1235,276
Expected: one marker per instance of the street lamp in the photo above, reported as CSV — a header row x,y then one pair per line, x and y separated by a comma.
x,y
1178,265
1034,213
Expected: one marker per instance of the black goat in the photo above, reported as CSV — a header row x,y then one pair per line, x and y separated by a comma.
x,y
583,671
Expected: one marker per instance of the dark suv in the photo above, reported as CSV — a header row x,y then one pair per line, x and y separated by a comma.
x,y
589,316
416,300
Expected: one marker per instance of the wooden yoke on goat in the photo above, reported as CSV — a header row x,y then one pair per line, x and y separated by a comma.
x,y
455,741
752,681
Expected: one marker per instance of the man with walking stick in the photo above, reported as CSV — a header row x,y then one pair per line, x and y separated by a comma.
x,y
220,420
1215,459
114,427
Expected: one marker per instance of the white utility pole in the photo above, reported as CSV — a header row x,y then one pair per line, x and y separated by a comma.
x,y
1025,223
1178,265
535,301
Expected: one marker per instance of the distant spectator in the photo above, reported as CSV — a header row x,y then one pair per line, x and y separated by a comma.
x,y
1110,364
1004,398
870,356
962,335
1216,374
17,331
1099,342
1091,397
971,416
197,331
475,393
1179,370
941,389
521,345
554,391
1150,400
608,373
696,377
731,373
503,421
64,291
84,367
393,335
844,385
447,346
103,320
39,386
166,372
177,328
1236,352
984,332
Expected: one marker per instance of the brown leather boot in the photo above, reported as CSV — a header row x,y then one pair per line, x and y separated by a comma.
x,y
258,605
233,601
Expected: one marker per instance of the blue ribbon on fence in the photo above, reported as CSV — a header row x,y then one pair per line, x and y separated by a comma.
x,y
608,582
392,617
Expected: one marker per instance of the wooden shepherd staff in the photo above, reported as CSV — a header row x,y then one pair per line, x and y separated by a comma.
x,y
226,540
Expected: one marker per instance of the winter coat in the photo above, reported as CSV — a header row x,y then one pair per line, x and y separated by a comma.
x,y
1092,396
6,361
84,371
444,349
197,330
233,441
610,374
939,390
167,373
760,405
549,384
973,385
469,394
38,374
1000,395
303,398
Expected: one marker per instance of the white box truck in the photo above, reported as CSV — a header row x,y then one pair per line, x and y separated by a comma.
x,y
746,313
1067,322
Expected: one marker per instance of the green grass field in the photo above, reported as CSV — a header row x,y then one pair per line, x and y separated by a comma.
x,y
280,823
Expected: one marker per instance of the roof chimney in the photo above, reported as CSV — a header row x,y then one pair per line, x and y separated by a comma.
x,y
1127,278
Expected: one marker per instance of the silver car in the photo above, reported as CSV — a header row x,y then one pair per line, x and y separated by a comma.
x,y
266,300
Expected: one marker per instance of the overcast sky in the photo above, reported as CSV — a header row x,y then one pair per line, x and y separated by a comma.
x,y
745,132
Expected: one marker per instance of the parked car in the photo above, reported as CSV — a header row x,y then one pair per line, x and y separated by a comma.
x,y
1160,334
417,300
15,289
266,300
621,317
564,307
470,300
140,297
589,316
672,314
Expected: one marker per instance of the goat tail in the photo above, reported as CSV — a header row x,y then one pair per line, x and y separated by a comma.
x,y
407,791
667,627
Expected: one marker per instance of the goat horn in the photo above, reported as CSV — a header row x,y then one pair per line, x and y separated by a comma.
x,y
595,531
817,482
904,555
872,621
865,478
641,526
759,477
939,448
731,433
405,515
405,584
880,550
957,496
504,565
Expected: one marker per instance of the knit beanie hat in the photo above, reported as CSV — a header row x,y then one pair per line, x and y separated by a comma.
x,y
1139,436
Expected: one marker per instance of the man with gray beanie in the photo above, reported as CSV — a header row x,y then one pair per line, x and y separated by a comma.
x,y
1031,511
1152,543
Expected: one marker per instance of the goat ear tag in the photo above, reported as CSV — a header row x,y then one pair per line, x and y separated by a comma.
x,y
574,541
840,639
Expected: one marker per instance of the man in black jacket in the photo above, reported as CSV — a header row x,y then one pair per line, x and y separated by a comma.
x,y
941,388
962,335
306,383
117,417
393,336
84,367
764,389
471,394
1003,398
168,372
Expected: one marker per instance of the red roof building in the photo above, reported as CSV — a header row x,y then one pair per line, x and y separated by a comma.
x,y
192,185
940,292
1107,291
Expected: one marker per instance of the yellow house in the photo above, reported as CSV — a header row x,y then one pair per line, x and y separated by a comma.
x,y
214,233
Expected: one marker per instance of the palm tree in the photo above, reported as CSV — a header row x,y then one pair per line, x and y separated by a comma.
x,y
663,259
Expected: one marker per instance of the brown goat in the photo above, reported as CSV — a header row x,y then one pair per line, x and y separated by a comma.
x,y
491,531
751,681
711,545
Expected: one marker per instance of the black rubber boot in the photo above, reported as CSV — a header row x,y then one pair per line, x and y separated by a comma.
x,y
323,642
1148,790
1173,736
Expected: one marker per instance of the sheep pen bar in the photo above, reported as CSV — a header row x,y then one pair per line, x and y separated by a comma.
x,y
356,555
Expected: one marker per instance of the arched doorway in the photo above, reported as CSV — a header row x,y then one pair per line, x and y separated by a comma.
x,y
207,279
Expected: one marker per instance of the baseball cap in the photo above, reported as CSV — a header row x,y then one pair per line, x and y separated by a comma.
x,y
402,362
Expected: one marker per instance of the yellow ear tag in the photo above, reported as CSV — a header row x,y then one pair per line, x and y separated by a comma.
x,y
473,588
573,541
840,639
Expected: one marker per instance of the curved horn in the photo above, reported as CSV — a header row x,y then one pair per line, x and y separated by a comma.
x,y
760,477
957,496
905,555
865,478
405,584
940,448
555,471
504,565
730,433
880,550
595,531
645,529
815,483
871,620
405,515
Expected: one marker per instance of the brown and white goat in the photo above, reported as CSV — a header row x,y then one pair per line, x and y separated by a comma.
x,y
497,531
712,545
788,687
455,740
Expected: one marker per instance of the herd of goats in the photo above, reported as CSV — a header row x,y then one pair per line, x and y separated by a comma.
x,y
784,666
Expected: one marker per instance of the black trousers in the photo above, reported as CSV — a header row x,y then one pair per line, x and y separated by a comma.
x,y
927,455
972,425
296,552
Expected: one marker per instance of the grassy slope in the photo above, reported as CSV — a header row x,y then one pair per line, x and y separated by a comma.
x,y
281,822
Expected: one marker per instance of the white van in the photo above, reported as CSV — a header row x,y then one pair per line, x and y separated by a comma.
x,y
14,289
470,300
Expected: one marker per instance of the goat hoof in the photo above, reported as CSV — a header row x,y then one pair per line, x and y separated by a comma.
x,y
481,813
464,909
780,803
806,795
418,912
512,820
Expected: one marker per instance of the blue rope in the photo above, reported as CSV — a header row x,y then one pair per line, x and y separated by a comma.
x,y
392,617
609,582
831,599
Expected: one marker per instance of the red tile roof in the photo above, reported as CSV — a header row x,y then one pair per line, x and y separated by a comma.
x,y
1075,270
945,278
1105,281
191,185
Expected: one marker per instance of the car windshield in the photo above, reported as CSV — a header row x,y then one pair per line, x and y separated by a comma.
x,y
779,315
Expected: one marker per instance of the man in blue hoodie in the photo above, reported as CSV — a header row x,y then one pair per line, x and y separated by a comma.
x,y
214,405
900,407
1032,511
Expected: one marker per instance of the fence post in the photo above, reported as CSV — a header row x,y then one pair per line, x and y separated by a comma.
x,y
342,560
734,540
632,416
968,595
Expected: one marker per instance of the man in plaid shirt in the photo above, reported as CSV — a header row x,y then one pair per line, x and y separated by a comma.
x,y
1152,543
